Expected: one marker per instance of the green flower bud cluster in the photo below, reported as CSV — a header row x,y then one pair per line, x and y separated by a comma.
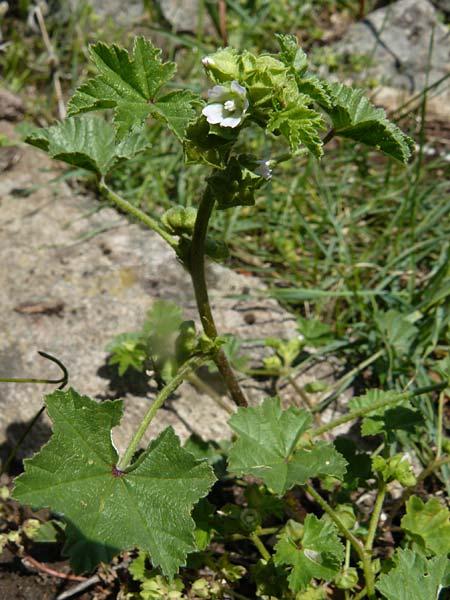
x,y
271,82
179,220
397,468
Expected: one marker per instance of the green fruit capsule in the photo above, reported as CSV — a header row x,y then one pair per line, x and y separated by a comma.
x,y
216,249
179,220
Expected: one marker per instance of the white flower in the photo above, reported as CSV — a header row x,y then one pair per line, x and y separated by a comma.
x,y
207,61
264,169
228,105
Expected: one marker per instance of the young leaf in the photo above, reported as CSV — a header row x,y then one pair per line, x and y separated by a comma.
x,y
414,577
88,142
202,145
107,510
162,319
291,54
234,186
299,125
268,447
130,85
318,554
128,352
428,524
295,58
353,116
396,468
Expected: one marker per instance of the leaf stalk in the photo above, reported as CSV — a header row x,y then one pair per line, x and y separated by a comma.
x,y
364,556
361,412
189,366
260,546
375,516
135,212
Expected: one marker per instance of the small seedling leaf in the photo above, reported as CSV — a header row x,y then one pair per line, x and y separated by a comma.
x,y
318,554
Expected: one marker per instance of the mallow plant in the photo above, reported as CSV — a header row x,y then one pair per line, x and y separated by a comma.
x,y
158,502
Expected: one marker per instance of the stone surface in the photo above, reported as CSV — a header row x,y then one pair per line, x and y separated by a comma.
x,y
71,278
122,12
183,15
397,39
11,106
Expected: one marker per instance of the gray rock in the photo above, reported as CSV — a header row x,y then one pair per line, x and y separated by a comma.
x,y
11,107
122,12
397,39
183,15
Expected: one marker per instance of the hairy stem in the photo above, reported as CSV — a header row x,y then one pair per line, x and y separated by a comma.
x,y
189,366
197,271
363,555
135,212
362,594
260,546
361,412
375,516
440,423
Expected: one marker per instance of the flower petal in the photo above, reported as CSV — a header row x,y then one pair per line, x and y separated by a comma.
x,y
213,113
239,89
219,93
264,169
231,121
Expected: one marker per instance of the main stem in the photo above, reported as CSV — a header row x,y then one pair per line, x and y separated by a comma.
x,y
197,271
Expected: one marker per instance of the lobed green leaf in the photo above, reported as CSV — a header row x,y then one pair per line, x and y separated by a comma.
x,y
414,577
107,510
268,447
354,117
428,524
385,419
130,85
88,142
299,125
318,554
